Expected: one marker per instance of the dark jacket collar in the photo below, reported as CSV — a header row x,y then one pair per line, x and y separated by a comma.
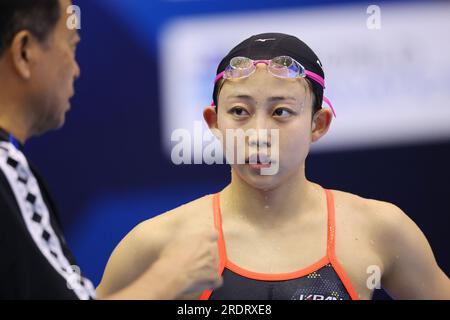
x,y
6,136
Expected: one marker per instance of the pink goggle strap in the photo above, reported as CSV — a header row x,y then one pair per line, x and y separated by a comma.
x,y
329,104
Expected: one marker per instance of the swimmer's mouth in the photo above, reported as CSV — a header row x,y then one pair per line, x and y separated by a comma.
x,y
258,161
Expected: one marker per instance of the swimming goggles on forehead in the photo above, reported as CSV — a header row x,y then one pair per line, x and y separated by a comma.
x,y
283,67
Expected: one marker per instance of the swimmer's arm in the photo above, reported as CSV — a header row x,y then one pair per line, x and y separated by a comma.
x,y
411,269
151,285
132,271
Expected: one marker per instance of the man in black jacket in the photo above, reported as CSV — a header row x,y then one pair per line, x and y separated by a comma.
x,y
37,72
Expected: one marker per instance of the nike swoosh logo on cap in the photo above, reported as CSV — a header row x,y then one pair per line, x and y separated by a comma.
x,y
264,40
320,64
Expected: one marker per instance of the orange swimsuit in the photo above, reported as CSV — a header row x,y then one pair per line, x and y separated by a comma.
x,y
323,280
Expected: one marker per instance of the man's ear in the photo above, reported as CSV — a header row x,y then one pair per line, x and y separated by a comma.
x,y
210,116
321,123
23,52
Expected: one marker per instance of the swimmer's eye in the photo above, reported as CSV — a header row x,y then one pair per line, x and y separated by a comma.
x,y
239,112
283,113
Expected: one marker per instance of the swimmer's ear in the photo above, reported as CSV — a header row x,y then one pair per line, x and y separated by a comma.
x,y
321,123
210,116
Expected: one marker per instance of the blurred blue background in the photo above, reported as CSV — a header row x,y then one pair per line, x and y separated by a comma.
x,y
108,167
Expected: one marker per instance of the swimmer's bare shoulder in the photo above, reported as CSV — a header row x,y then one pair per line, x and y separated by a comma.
x,y
143,245
192,217
371,233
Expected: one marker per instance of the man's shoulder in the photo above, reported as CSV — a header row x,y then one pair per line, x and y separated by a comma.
x,y
9,208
